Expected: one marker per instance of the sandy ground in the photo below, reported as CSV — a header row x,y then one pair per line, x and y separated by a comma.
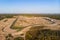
x,y
26,22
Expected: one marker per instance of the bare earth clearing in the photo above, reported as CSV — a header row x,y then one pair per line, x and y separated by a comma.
x,y
27,22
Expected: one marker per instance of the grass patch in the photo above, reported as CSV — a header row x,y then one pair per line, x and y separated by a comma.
x,y
17,28
18,38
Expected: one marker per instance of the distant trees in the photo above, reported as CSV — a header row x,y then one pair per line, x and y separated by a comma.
x,y
9,16
5,16
2,17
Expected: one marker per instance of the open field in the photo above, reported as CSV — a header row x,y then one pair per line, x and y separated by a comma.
x,y
28,26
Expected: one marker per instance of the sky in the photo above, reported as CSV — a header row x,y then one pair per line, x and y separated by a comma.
x,y
29,6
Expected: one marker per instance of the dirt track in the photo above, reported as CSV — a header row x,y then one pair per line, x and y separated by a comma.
x,y
26,21
39,21
7,29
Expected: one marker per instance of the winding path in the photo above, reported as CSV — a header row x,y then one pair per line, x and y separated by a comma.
x,y
5,27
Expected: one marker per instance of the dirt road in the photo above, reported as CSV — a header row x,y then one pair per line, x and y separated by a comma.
x,y
10,22
30,22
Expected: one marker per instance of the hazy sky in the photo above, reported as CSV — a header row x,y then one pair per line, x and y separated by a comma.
x,y
29,6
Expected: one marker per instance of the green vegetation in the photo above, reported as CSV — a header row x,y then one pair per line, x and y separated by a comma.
x,y
45,34
18,38
9,16
17,28
6,16
2,16
55,16
38,33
